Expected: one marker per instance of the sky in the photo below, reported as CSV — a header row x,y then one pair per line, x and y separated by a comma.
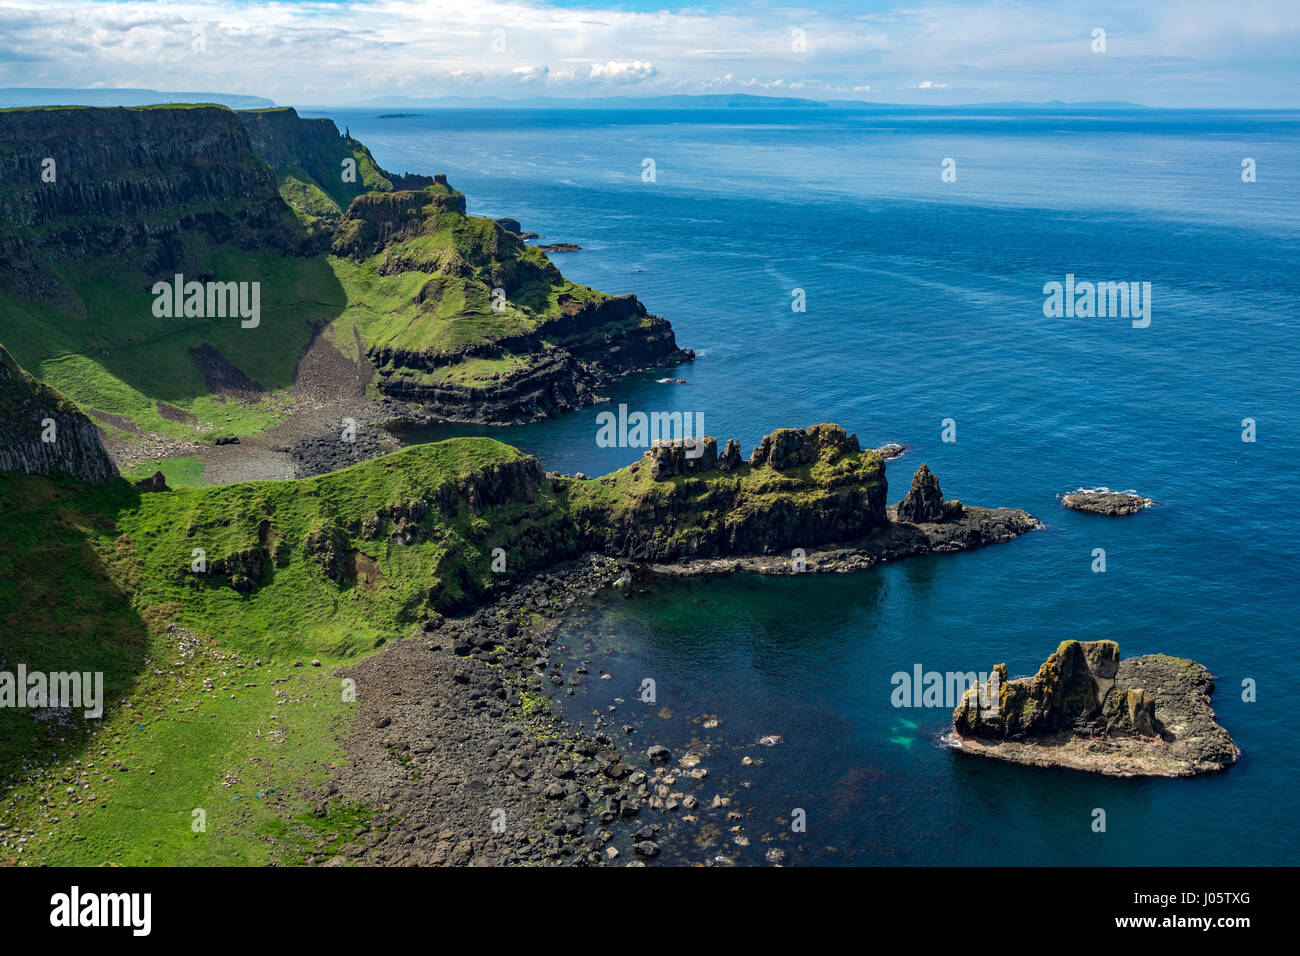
x,y
1173,53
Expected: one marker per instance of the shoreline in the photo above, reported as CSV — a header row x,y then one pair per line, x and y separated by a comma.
x,y
462,720
460,740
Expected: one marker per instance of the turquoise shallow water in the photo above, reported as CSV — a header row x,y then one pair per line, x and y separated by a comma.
x,y
925,303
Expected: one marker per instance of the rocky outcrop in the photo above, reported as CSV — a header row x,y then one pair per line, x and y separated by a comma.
x,y
974,528
375,221
1088,710
1104,502
723,507
564,360
682,456
155,482
791,447
42,433
924,500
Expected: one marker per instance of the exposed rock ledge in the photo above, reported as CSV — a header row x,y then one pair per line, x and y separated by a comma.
x,y
1086,709
975,528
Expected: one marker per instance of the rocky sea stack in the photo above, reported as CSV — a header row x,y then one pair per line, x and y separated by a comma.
x,y
924,502
1087,710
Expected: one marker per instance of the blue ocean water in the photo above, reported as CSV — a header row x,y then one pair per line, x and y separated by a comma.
x,y
924,303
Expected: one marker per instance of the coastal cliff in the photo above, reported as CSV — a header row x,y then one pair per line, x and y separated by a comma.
x,y
449,316
494,334
42,433
440,527
316,167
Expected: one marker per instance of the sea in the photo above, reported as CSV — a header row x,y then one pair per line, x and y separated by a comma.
x,y
887,270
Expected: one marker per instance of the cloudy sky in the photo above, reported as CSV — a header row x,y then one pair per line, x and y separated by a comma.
x,y
333,52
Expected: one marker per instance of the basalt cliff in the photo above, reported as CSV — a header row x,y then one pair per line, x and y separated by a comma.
x,y
362,274
42,433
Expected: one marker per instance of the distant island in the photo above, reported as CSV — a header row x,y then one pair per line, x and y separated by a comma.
x,y
18,96
703,101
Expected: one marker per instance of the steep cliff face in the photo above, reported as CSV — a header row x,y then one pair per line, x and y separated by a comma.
x,y
671,505
308,153
93,181
41,432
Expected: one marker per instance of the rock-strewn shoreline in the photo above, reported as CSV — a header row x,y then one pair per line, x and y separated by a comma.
x,y
457,740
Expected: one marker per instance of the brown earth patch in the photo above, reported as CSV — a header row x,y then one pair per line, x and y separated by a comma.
x,y
219,375
117,421
174,414
363,569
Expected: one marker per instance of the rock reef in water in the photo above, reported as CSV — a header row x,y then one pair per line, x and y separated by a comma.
x,y
1102,501
1087,710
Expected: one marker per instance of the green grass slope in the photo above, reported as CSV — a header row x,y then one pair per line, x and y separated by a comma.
x,y
205,708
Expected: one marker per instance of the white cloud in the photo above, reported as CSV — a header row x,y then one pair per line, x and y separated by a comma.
x,y
1188,52
623,71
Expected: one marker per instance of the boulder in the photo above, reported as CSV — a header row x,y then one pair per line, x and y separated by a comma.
x,y
155,482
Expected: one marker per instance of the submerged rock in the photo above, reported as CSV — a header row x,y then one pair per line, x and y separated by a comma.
x,y
1088,710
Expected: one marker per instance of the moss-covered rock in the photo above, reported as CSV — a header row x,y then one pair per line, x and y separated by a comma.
x,y
1087,709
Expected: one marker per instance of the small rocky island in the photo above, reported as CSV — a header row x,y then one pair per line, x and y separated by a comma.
x,y
1085,709
1102,501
